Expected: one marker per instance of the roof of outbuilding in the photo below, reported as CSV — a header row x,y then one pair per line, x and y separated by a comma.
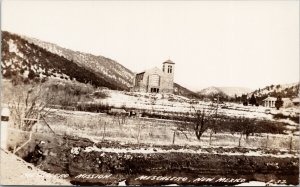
x,y
270,99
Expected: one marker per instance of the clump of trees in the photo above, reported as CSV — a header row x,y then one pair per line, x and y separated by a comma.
x,y
68,93
33,101
253,101
244,100
208,120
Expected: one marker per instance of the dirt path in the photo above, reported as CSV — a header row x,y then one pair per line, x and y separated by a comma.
x,y
15,171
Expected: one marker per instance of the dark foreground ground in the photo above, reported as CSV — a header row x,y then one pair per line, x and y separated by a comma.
x,y
70,158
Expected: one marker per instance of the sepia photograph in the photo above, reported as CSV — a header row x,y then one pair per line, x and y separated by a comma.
x,y
149,93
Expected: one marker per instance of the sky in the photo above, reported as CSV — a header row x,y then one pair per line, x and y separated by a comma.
x,y
213,43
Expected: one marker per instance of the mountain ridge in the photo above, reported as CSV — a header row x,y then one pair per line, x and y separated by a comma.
x,y
113,70
28,61
224,91
31,58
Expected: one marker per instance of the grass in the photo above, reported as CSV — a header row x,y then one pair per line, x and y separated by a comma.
x,y
100,127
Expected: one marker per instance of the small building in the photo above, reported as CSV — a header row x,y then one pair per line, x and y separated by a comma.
x,y
270,102
155,80
296,101
287,102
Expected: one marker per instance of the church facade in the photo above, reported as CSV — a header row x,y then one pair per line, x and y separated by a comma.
x,y
156,80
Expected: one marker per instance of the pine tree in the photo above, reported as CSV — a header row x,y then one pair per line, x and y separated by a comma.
x,y
278,102
252,100
31,74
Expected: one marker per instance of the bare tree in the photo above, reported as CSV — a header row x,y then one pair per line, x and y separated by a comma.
x,y
245,126
184,129
29,104
202,120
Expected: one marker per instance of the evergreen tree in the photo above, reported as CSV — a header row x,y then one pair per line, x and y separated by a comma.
x,y
252,100
278,102
31,74
244,100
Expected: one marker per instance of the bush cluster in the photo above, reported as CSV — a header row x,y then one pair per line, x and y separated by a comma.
x,y
282,116
93,107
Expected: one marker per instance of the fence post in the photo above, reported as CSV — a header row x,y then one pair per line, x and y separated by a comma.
x,y
210,136
240,139
103,136
267,141
291,143
173,137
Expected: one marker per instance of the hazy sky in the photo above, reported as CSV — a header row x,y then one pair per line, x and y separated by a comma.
x,y
218,43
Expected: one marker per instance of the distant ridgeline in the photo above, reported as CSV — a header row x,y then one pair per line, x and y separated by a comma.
x,y
284,90
27,59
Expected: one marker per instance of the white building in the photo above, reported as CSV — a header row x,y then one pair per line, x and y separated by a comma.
x,y
270,102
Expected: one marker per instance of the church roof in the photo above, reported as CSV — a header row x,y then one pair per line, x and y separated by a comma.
x,y
140,73
168,62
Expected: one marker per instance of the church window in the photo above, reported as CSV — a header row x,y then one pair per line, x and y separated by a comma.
x,y
169,69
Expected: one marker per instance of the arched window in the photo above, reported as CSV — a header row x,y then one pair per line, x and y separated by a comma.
x,y
169,69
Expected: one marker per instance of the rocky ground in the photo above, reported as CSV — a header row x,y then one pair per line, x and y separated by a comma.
x,y
15,171
111,163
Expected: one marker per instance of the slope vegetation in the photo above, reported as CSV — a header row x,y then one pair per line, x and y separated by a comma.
x,y
21,58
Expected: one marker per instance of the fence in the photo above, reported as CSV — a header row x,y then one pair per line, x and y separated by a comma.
x,y
160,131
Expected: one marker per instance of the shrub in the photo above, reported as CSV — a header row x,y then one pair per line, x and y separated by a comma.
x,y
67,93
93,107
100,94
281,116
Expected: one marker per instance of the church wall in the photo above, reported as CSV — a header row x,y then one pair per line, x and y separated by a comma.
x,y
165,80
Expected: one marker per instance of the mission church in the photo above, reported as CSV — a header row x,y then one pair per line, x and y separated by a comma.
x,y
156,80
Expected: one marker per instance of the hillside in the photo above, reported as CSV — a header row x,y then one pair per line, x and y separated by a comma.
x,y
238,91
30,59
25,60
110,69
185,92
224,91
283,90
